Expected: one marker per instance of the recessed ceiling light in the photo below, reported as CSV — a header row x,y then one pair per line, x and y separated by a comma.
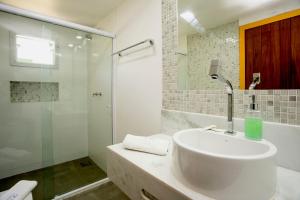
x,y
70,45
79,47
190,18
79,37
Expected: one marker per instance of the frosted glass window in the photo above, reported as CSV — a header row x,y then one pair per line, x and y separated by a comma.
x,y
34,50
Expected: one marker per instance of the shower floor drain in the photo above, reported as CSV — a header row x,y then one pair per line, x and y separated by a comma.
x,y
86,163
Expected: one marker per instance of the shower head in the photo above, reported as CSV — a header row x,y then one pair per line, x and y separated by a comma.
x,y
88,37
215,73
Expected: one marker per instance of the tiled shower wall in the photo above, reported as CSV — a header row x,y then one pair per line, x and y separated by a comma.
x,y
276,105
220,42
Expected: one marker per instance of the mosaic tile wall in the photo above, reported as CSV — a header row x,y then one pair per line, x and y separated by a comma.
x,y
169,44
222,43
21,92
277,105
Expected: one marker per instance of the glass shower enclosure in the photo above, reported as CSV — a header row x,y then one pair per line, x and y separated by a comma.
x,y
55,105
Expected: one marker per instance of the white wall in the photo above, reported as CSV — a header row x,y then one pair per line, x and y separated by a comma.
x,y
266,13
139,75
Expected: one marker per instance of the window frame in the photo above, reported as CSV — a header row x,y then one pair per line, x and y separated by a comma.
x,y
13,54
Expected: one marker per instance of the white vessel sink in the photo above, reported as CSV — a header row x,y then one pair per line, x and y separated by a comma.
x,y
225,167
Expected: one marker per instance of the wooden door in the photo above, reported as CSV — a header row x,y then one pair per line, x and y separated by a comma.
x,y
273,50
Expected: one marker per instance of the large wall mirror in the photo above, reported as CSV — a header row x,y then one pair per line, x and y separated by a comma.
x,y
250,38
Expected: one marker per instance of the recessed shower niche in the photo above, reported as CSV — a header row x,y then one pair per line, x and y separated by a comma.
x,y
25,91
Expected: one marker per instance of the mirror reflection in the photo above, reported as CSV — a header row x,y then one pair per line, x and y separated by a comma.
x,y
211,30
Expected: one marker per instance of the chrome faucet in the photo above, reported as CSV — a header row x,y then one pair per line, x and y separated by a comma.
x,y
215,73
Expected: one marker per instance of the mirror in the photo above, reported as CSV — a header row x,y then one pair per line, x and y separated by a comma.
x,y
216,29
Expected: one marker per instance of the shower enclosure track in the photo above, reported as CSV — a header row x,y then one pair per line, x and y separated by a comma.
x,y
82,189
53,20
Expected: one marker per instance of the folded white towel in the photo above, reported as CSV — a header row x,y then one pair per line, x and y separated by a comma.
x,y
19,191
146,144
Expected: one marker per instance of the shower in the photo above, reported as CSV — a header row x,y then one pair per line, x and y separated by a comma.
x,y
53,129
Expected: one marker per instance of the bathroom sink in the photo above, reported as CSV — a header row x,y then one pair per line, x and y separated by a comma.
x,y
225,167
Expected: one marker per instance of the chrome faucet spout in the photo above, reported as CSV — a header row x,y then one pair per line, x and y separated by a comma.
x,y
229,89
214,72
230,114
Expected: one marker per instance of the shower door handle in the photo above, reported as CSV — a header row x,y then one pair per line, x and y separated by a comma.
x,y
95,94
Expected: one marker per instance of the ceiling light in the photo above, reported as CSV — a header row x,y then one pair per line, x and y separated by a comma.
x,y
190,18
71,45
79,37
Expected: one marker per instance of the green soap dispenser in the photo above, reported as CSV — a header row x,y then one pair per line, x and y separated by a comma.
x,y
253,121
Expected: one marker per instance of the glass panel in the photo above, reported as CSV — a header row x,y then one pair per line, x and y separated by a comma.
x,y
100,98
54,123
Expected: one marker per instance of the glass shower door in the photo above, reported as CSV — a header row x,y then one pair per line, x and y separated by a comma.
x,y
54,125
100,99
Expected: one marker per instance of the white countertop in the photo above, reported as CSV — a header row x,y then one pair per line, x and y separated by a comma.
x,y
160,168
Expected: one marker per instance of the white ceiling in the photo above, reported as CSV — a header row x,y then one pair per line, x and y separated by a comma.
x,y
213,13
85,12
